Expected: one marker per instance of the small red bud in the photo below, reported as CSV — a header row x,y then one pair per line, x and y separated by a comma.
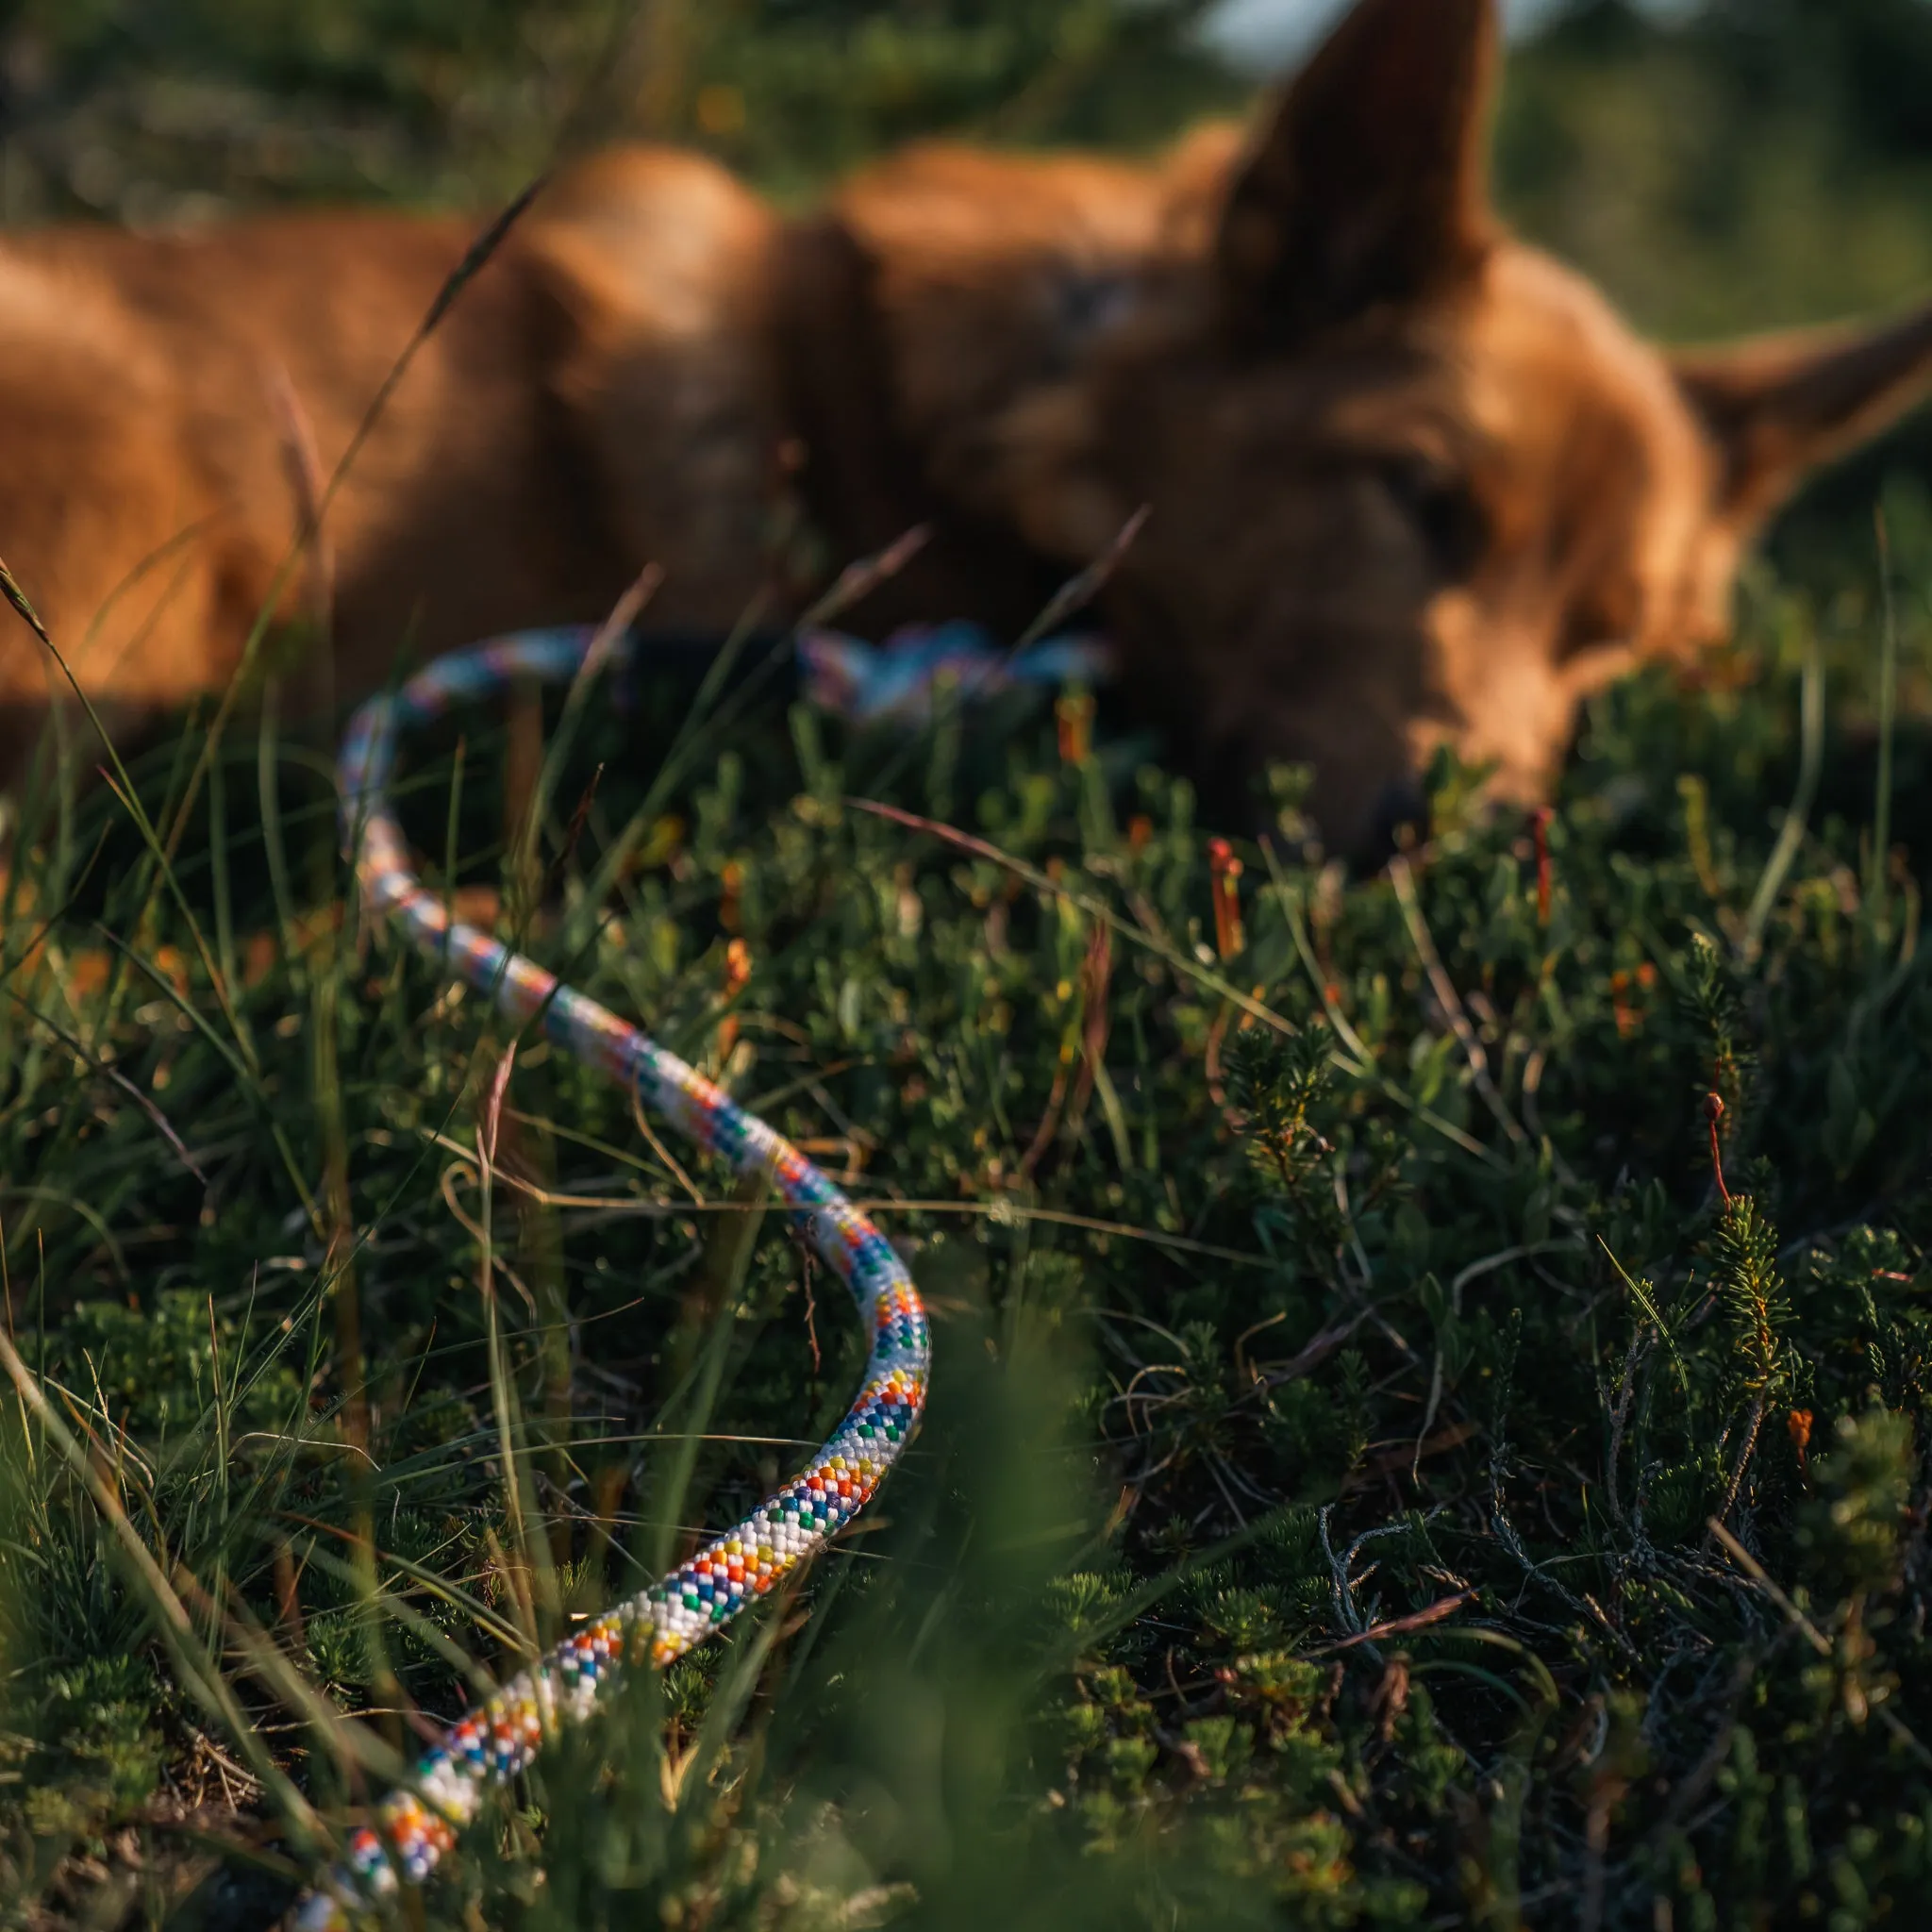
x,y
737,976
1074,715
1545,877
1226,869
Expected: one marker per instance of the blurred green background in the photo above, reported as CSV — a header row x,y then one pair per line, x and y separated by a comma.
x,y
1724,165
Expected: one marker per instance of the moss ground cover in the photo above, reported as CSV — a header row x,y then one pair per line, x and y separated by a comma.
x,y
1432,1368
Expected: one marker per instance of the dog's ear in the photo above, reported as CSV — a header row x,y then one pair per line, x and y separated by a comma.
x,y
1369,185
1777,407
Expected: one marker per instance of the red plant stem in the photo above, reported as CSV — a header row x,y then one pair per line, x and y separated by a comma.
x,y
1540,831
1713,1113
737,976
1074,715
1226,869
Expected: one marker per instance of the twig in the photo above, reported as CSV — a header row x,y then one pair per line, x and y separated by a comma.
x,y
1449,999
641,1121
1344,1582
1791,834
1078,592
1761,1576
1713,1113
1619,1417
1752,1427
102,1071
1399,1626
1876,901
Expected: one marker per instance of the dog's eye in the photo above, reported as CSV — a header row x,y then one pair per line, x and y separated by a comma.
x,y
1444,512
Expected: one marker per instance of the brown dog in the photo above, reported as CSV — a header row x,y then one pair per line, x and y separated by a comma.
x,y
1411,482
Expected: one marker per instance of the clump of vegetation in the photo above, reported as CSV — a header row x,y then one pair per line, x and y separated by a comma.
x,y
1432,1369
112,107
1401,1449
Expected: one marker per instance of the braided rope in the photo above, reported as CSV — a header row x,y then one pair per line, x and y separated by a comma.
x,y
417,1824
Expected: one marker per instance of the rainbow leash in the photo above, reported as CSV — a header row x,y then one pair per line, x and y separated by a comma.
x,y
416,1825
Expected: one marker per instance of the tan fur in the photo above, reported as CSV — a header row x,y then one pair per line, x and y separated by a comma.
x,y
595,397
1412,482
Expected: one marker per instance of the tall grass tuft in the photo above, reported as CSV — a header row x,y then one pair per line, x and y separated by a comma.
x,y
1379,1472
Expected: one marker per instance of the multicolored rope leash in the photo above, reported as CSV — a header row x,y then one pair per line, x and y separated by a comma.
x,y
417,1825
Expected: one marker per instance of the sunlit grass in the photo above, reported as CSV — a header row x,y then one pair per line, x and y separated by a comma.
x,y
1342,1346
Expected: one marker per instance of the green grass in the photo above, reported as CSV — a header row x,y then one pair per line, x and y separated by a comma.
x,y
1335,1383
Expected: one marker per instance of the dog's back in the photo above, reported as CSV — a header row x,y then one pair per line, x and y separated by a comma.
x,y
172,402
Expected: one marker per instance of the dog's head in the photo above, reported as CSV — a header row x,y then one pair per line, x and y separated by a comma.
x,y
1412,483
